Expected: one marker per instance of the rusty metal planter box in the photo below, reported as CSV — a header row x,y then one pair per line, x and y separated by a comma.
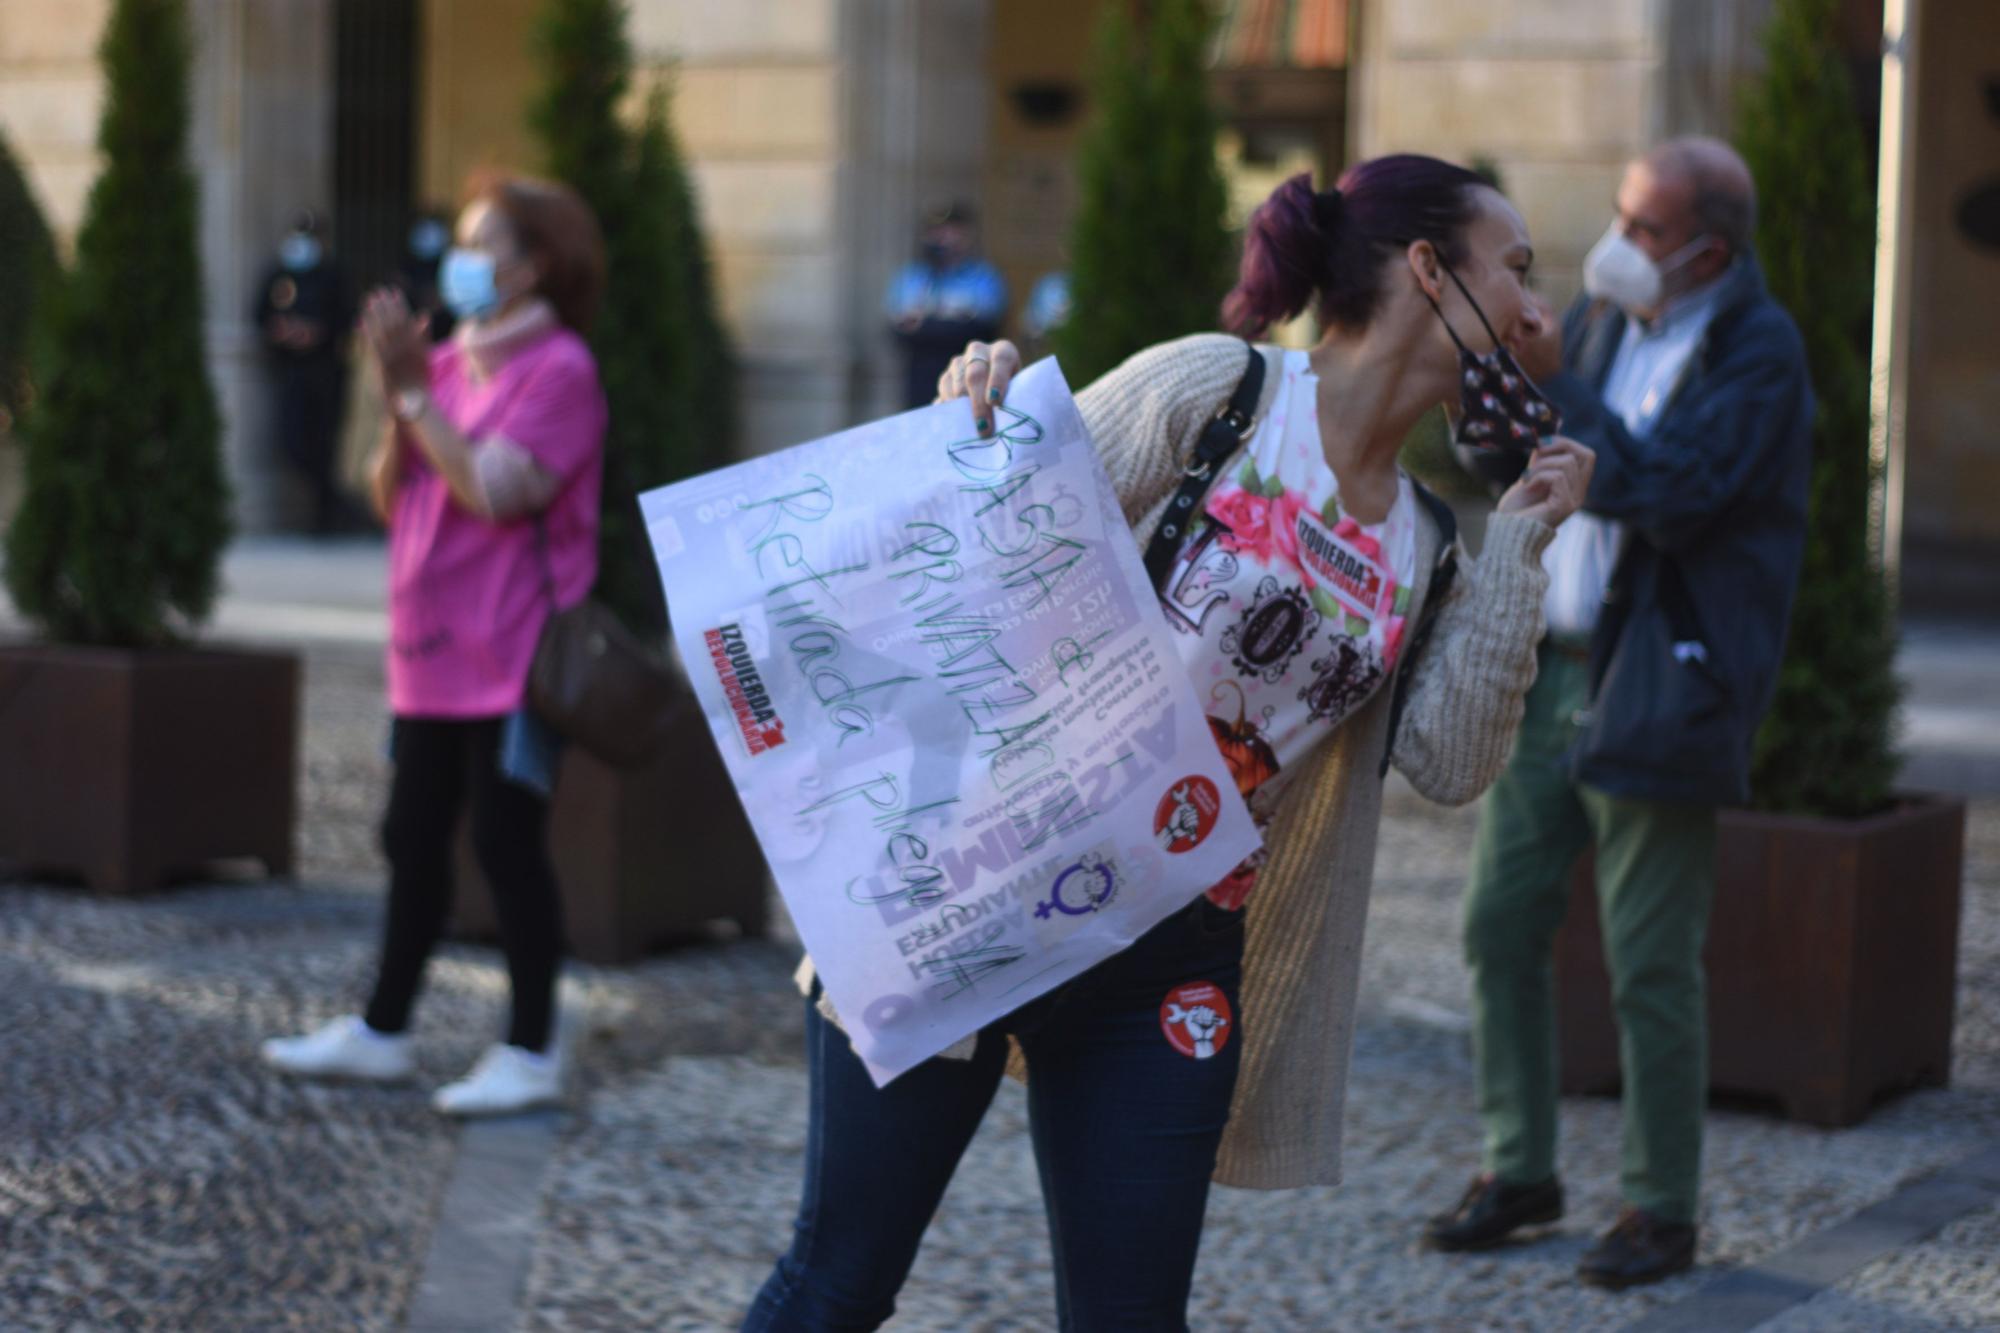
x,y
1832,961
127,767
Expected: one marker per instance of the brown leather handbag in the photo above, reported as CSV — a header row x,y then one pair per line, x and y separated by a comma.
x,y
596,683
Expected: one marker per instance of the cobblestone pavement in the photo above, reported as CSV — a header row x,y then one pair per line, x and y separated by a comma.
x,y
152,1176
666,1205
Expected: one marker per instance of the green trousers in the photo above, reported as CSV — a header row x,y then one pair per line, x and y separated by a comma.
x,y
1655,882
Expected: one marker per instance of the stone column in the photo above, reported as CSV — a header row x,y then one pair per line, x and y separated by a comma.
x,y
816,130
262,148
757,96
1938,284
1895,212
1711,49
916,129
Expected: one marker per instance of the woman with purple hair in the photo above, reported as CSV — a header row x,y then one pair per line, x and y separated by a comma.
x,y
1334,626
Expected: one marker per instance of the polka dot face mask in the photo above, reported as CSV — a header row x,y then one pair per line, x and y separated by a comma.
x,y
1499,407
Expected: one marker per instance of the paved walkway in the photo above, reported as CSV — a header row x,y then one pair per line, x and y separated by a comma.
x,y
152,1176
1951,717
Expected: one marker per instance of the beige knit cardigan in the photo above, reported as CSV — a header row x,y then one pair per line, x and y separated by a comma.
x,y
1302,951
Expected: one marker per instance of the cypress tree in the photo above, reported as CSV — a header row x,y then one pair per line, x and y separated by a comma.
x,y
27,271
706,421
1150,249
665,362
587,71
1827,746
127,507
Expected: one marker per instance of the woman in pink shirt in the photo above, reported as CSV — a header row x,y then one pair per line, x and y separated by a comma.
x,y
488,479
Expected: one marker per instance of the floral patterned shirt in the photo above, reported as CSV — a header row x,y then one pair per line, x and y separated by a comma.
x,y
1290,613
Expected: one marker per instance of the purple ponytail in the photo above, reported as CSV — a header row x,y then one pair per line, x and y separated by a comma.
x,y
1285,256
1301,245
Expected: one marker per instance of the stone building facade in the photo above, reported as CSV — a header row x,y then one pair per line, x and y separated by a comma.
x,y
819,129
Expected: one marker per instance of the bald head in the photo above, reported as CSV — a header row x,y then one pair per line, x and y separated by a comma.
x,y
1718,187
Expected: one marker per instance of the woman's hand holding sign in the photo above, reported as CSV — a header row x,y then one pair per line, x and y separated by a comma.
x,y
982,373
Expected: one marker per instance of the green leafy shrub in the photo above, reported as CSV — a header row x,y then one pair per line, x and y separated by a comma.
x,y
662,352
1827,746
127,508
1150,249
27,272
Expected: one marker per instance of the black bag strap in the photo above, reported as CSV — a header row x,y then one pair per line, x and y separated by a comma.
x,y
1443,575
1224,435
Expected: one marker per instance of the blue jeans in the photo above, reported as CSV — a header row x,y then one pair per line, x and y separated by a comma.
x,y
1126,1115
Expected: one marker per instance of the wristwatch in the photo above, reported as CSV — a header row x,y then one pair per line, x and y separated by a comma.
x,y
409,404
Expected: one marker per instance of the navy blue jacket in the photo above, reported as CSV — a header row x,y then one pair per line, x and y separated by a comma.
x,y
1716,491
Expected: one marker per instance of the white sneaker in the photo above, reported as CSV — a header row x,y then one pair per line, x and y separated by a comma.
x,y
345,1048
506,1079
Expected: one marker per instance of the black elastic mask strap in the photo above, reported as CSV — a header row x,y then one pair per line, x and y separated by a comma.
x,y
1475,309
1456,340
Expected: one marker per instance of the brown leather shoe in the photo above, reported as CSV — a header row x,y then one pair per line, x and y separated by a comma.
x,y
1491,1211
1639,1249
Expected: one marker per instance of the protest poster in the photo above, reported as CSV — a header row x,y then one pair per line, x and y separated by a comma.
x,y
951,707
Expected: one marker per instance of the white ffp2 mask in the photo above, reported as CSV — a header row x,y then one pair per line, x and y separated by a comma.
x,y
1618,271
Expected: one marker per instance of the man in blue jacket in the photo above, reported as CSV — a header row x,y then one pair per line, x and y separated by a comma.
x,y
945,298
1666,611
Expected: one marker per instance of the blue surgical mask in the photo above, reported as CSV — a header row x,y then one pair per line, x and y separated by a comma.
x,y
466,283
299,251
428,238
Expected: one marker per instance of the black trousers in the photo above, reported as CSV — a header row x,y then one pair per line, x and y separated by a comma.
x,y
312,395
440,767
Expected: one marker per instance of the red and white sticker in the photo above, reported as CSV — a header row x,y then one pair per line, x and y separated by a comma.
x,y
1186,815
1354,580
757,720
1197,1019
